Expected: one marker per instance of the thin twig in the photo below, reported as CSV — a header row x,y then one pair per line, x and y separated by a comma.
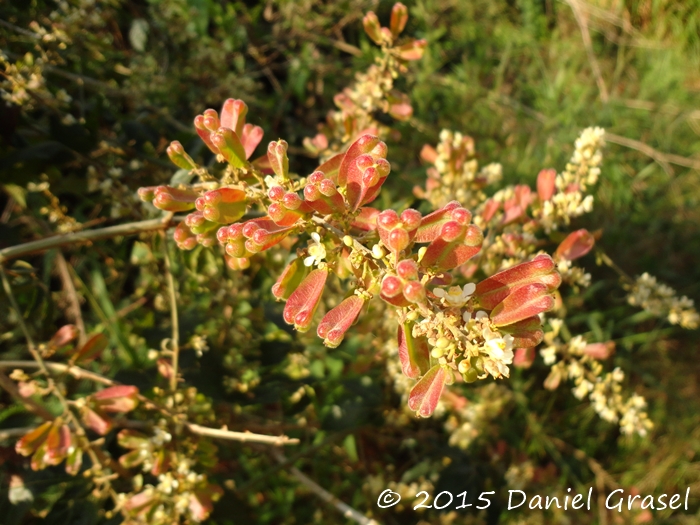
x,y
346,510
338,44
67,239
81,373
241,436
60,368
582,20
68,285
175,337
658,156
10,433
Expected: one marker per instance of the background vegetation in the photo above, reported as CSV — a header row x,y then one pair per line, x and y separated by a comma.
x,y
114,81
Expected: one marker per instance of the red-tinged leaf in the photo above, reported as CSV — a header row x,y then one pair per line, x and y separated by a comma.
x,y
233,114
524,357
38,461
251,137
399,105
161,462
32,439
553,379
164,368
290,279
370,22
600,351
526,301
120,398
66,334
399,17
411,51
140,502
448,255
58,441
131,459
91,349
200,503
173,199
414,354
494,289
576,245
303,302
263,164
429,154
98,423
426,393
546,184
230,145
336,322
526,333
74,461
133,439
365,145
316,144
490,208
431,225
331,166
366,220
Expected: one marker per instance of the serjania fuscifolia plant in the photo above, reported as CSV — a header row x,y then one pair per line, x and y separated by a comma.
x,y
446,333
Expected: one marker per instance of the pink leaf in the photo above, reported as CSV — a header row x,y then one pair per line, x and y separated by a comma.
x,y
365,145
97,422
290,279
32,439
526,333
412,51
526,301
524,357
335,323
250,138
576,245
431,225
121,398
494,289
304,301
545,184
426,393
233,114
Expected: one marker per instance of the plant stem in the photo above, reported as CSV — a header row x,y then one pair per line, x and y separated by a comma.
x,y
67,239
81,373
175,337
347,511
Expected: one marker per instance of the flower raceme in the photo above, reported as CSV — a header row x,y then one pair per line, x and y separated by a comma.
x,y
446,332
468,331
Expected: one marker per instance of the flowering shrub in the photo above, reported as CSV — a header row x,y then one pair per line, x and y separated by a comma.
x,y
473,278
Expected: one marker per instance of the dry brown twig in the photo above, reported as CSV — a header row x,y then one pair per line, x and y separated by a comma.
x,y
582,21
347,511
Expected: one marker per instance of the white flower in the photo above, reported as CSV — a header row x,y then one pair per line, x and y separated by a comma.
x,y
271,181
317,251
455,296
549,355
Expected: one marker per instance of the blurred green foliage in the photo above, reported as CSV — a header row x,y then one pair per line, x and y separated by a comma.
x,y
515,75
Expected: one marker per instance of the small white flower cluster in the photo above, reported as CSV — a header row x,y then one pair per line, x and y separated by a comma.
x,y
661,300
456,174
581,172
465,336
471,420
572,361
574,275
